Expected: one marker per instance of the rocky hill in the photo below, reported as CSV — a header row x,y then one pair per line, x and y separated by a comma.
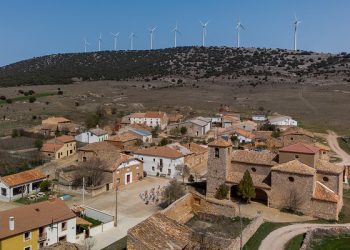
x,y
183,62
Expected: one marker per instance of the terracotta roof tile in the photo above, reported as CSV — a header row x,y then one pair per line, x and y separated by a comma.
x,y
56,120
322,146
220,143
294,167
245,133
62,139
196,148
262,135
23,177
137,115
33,216
124,137
254,157
298,131
154,114
322,192
164,151
50,147
300,147
328,167
98,131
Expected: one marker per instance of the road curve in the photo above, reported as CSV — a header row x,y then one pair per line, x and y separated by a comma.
x,y
278,239
333,144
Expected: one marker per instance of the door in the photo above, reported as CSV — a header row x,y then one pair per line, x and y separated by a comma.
x,y
128,178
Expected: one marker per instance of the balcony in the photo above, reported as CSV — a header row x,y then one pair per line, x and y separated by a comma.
x,y
42,237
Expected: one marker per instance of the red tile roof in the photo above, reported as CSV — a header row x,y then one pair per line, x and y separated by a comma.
x,y
23,177
220,143
154,114
50,147
164,151
300,147
324,193
33,216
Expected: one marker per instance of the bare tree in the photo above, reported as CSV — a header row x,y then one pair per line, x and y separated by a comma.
x,y
186,171
293,200
173,191
92,171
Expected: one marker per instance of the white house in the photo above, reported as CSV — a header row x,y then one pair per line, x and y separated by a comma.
x,y
163,161
144,135
41,224
282,120
93,135
15,186
151,119
244,136
259,118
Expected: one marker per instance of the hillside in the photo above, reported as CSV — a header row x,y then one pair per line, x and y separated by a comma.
x,y
186,62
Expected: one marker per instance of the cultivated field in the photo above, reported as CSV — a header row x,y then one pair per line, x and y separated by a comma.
x,y
318,107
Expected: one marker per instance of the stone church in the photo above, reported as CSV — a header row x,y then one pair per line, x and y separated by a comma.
x,y
298,177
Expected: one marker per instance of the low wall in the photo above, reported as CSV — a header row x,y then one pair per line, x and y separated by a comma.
x,y
247,233
322,232
90,192
98,215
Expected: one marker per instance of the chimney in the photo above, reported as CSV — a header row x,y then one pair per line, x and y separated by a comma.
x,y
12,223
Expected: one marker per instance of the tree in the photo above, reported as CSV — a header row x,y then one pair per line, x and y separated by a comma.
x,y
185,172
45,186
173,191
234,138
14,133
293,200
246,188
276,134
163,142
92,121
183,130
92,172
222,191
155,131
38,143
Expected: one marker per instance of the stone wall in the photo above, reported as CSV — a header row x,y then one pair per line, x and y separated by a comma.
x,y
180,210
325,210
310,235
308,159
291,139
247,233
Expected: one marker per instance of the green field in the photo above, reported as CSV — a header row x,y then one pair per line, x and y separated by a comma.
x,y
295,243
341,242
26,98
344,144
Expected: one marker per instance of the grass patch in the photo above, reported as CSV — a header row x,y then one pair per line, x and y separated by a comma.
x,y
26,201
344,215
266,228
91,220
295,243
25,98
341,242
118,245
344,143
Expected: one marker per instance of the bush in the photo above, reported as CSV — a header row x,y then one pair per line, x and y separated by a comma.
x,y
38,143
172,192
60,92
45,186
2,97
32,99
164,142
191,178
222,191
183,130
246,188
14,133
8,100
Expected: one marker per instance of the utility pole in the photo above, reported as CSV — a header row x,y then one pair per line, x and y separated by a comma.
x,y
240,219
83,190
116,206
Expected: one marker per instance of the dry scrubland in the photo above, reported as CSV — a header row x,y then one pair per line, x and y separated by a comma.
x,y
318,107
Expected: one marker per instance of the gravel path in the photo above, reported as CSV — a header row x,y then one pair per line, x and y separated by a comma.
x,y
333,143
279,238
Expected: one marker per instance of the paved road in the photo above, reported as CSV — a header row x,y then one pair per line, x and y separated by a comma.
x,y
333,143
131,209
279,238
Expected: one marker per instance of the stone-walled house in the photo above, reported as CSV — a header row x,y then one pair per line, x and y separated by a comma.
x,y
297,173
124,141
296,134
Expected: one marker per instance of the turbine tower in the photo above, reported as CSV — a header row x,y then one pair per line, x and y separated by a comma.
x,y
239,27
131,37
115,38
296,24
176,31
99,42
86,44
204,31
151,31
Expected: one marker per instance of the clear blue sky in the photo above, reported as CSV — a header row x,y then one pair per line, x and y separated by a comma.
x,y
31,28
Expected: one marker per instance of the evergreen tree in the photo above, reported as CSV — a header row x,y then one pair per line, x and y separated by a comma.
x,y
246,188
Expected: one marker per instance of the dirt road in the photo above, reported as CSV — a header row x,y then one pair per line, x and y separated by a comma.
x,y
333,143
280,237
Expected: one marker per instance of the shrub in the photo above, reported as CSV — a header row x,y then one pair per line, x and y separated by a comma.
x,y
183,130
38,143
8,100
14,133
163,142
32,99
60,92
246,188
222,191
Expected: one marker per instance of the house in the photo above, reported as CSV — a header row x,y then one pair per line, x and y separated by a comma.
x,y
35,226
244,136
120,169
259,118
125,141
60,147
295,134
216,120
195,127
246,125
229,120
163,161
138,130
16,185
150,118
53,120
93,135
282,120
175,118
52,125
297,172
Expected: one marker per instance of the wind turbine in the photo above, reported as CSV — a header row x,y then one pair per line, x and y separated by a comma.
x,y
99,42
176,31
239,27
204,31
85,45
115,37
296,24
151,31
131,37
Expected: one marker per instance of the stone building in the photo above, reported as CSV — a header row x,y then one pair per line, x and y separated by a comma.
x,y
296,134
297,174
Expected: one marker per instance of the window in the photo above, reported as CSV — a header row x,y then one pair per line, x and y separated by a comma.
x,y
71,151
27,248
169,171
325,179
161,162
64,226
118,180
253,169
217,152
291,138
153,168
154,159
3,191
291,179
296,156
84,159
27,236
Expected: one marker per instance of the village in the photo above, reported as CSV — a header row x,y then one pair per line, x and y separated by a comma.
x,y
157,180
